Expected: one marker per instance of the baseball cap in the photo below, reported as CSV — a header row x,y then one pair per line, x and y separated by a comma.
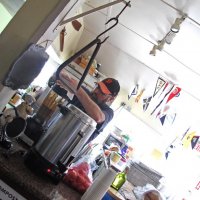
x,y
109,86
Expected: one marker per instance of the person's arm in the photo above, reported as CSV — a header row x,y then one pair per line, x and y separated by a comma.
x,y
91,108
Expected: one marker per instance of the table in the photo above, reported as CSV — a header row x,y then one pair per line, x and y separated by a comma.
x,y
14,173
125,193
115,194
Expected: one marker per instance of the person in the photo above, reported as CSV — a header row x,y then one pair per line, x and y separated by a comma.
x,y
96,103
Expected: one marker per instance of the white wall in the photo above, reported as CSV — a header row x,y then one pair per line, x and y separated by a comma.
x,y
4,16
185,106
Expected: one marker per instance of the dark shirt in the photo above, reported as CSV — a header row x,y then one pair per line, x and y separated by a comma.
x,y
108,112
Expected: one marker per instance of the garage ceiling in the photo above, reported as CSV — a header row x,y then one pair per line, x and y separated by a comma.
x,y
141,27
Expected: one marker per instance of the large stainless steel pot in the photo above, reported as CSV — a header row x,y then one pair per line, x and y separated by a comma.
x,y
69,132
63,140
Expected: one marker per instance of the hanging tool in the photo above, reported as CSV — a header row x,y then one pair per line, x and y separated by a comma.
x,y
98,43
62,38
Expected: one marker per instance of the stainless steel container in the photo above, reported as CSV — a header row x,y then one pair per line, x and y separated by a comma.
x,y
66,136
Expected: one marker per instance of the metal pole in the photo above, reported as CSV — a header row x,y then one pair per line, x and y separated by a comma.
x,y
92,10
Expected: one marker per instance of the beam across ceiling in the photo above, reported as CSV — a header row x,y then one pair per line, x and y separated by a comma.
x,y
93,10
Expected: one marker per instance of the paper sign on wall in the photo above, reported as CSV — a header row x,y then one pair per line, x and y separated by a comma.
x,y
187,139
139,95
195,141
174,93
146,103
134,92
160,83
7,193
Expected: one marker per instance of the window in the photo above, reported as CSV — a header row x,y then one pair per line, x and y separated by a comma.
x,y
8,8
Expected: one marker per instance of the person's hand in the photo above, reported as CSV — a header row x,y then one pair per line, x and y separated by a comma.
x,y
151,196
67,82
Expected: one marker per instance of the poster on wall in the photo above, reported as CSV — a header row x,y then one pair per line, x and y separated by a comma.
x,y
186,141
160,83
174,93
162,100
195,143
171,118
166,84
134,92
139,96
146,103
7,193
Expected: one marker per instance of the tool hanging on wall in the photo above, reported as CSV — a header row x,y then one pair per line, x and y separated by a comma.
x,y
76,25
171,148
146,102
62,38
195,143
97,41
166,84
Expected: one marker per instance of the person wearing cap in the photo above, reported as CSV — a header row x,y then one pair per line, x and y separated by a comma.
x,y
95,103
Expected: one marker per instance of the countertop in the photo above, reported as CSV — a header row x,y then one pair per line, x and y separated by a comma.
x,y
125,193
31,186
115,194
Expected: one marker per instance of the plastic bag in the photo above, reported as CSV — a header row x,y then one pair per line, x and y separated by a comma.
x,y
153,194
79,175
20,75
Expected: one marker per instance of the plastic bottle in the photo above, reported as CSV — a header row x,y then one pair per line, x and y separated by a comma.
x,y
120,179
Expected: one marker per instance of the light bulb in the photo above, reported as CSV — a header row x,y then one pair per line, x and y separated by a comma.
x,y
176,26
169,37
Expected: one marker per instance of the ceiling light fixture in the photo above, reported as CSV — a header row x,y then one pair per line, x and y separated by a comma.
x,y
175,28
169,37
161,44
153,51
76,25
160,47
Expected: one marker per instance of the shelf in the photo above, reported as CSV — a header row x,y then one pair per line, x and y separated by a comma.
x,y
77,71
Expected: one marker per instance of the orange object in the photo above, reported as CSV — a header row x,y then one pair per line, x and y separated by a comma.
x,y
62,39
84,63
15,98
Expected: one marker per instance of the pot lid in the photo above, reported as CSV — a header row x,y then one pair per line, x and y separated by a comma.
x,y
83,116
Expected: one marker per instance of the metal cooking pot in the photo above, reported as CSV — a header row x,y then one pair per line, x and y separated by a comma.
x,y
71,130
15,128
11,130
